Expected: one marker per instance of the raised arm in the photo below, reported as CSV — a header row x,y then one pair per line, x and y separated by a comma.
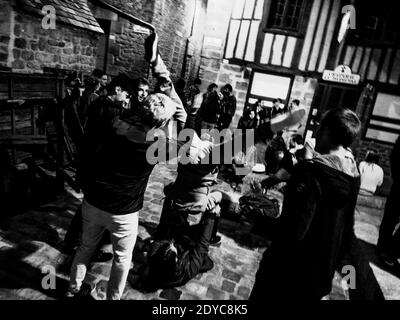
x,y
164,82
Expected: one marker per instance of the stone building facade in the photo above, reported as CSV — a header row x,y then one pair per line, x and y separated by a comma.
x,y
26,46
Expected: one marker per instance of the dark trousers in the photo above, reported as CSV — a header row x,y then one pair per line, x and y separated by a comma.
x,y
174,223
73,236
388,242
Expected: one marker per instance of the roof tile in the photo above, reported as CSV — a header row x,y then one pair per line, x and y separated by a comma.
x,y
75,12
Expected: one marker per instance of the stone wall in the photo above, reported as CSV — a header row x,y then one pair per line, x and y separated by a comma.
x,y
26,47
173,22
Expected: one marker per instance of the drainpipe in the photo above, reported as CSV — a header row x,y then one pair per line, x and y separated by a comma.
x,y
184,63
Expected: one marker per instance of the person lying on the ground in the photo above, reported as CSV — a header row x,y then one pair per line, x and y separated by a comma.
x,y
175,261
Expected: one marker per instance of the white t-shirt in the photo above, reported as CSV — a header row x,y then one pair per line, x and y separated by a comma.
x,y
371,176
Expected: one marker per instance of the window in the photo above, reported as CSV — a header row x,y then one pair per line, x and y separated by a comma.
x,y
384,124
243,29
287,16
268,87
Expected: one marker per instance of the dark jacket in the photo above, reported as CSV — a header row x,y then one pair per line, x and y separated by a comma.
x,y
193,256
315,231
210,107
228,109
114,171
394,161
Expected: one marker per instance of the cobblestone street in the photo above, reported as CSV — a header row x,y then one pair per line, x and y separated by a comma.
x,y
33,242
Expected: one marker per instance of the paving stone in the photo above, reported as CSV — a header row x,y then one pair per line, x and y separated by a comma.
x,y
196,288
243,292
228,286
228,274
216,294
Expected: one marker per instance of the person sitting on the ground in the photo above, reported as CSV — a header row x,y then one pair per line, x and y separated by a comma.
x,y
287,164
371,173
275,152
191,194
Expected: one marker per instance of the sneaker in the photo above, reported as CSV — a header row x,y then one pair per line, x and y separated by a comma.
x,y
72,293
85,292
215,240
151,48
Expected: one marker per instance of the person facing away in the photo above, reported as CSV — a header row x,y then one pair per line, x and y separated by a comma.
x,y
315,230
228,107
371,173
210,108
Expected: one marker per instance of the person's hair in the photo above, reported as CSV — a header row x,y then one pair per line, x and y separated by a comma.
x,y
163,259
342,126
72,79
211,87
246,112
277,100
228,87
197,81
97,73
141,81
296,101
373,157
91,84
123,81
156,110
297,138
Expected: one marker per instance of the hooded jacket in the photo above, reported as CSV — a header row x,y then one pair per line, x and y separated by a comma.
x,y
315,230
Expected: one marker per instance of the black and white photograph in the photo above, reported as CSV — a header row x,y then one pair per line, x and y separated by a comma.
x,y
205,156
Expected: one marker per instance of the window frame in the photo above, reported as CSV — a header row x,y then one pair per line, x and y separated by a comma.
x,y
304,16
241,19
380,118
249,95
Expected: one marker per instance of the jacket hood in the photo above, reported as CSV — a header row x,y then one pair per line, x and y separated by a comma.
x,y
346,164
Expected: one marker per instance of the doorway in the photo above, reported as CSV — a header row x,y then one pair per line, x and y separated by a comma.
x,y
327,96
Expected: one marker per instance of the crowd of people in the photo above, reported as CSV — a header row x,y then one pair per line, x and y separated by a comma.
x,y
110,126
